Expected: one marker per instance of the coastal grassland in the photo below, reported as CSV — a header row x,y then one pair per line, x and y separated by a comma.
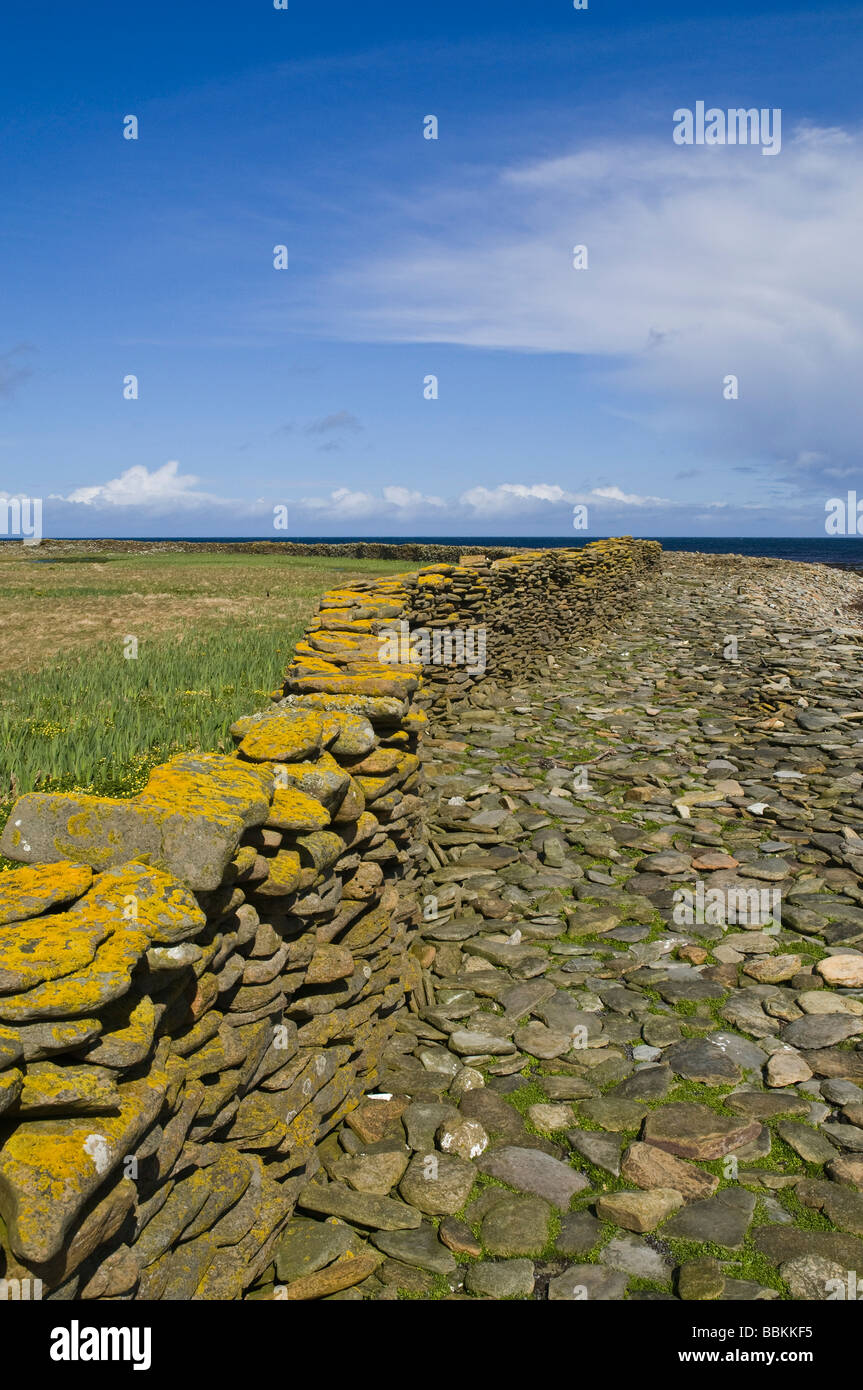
x,y
215,632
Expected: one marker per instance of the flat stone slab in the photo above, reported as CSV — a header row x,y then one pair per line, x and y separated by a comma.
x,y
602,1150
379,1213
696,1059
307,1246
810,1144
695,1131
419,1248
638,1211
49,1169
780,1243
766,1105
588,1283
647,1166
534,1172
579,1233
723,1219
501,1279
820,1030
517,1226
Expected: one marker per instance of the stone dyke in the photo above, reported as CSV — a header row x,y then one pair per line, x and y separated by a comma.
x,y
197,983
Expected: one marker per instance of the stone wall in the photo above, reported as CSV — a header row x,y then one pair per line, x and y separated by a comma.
x,y
199,982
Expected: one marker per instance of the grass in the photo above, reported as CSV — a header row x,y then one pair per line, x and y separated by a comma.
x,y
86,717
48,611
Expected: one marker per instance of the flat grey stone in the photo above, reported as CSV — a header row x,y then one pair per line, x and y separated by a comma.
x,y
579,1233
632,1256
696,1059
740,1050
307,1246
380,1213
602,1150
814,1031
723,1219
810,1144
501,1278
589,1283
528,1170
517,1226
420,1248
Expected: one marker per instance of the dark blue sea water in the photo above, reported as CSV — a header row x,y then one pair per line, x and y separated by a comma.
x,y
824,550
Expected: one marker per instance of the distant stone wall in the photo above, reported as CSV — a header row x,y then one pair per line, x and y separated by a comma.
x,y
198,983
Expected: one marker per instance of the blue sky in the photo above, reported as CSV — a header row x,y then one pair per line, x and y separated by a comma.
x,y
410,257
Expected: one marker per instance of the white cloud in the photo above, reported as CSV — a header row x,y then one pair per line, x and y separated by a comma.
x,y
703,262
139,487
519,498
629,499
344,503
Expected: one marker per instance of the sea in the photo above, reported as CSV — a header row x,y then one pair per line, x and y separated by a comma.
x,y
843,551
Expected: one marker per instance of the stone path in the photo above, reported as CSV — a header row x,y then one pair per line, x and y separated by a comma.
x,y
612,1090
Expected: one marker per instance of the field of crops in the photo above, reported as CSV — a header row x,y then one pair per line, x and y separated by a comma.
x,y
213,634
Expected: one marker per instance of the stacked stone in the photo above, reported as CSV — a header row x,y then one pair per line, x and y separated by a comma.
x,y
198,983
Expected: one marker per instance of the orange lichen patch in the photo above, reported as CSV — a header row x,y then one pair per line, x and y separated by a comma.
x,y
384,709
364,827
292,809
244,859
314,664
367,930
340,620
348,733
108,977
336,684
433,581
58,945
26,892
349,1269
284,875
139,897
379,763
73,1090
324,779
55,827
50,1168
324,644
11,1082
302,1130
329,963
416,722
390,768
287,736
323,847
221,787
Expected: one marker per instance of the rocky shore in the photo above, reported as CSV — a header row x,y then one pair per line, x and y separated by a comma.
x,y
598,1095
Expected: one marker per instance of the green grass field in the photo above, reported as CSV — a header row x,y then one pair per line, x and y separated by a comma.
x,y
215,633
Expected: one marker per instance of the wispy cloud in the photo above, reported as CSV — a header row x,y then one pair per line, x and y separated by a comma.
x,y
141,488
702,263
341,422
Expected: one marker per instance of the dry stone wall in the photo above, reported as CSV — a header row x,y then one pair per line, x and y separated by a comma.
x,y
199,982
